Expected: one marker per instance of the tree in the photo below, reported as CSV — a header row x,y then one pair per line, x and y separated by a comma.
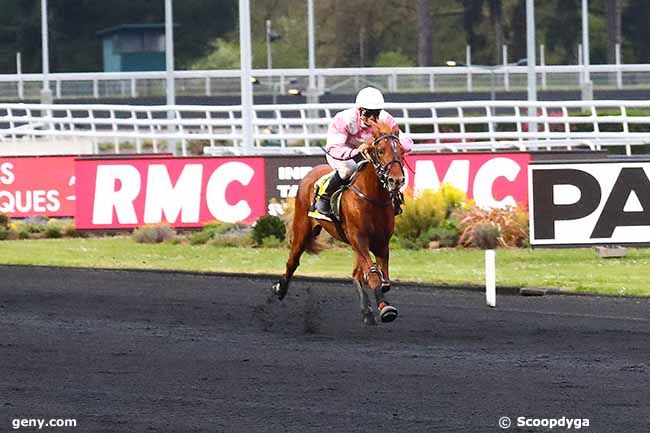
x,y
425,33
496,12
613,11
562,32
73,27
471,21
637,29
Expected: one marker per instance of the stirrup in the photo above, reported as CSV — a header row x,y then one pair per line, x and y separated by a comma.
x,y
319,216
315,213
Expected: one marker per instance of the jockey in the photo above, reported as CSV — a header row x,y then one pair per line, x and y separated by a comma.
x,y
347,137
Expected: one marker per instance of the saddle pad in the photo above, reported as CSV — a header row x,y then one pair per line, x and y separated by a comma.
x,y
321,185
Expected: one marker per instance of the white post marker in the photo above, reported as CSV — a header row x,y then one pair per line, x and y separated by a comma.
x,y
490,278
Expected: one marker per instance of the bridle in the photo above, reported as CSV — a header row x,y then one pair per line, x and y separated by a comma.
x,y
383,171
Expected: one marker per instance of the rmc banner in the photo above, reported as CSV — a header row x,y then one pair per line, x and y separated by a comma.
x,y
184,192
128,191
582,203
491,179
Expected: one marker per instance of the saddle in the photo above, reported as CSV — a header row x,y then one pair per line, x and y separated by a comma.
x,y
335,200
319,188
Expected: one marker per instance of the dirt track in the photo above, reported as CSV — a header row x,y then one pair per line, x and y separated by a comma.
x,y
163,352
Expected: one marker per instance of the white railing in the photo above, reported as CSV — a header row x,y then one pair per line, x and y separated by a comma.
x,y
329,80
302,128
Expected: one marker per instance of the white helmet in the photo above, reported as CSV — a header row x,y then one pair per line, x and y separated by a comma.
x,y
370,98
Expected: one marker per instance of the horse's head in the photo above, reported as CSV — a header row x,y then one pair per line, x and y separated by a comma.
x,y
387,156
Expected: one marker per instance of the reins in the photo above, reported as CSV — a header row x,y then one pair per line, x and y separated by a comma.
x,y
381,171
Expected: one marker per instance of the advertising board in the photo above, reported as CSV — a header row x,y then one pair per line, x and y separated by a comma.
x,y
491,179
31,186
582,203
184,192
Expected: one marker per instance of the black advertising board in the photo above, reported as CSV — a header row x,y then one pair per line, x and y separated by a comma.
x,y
597,202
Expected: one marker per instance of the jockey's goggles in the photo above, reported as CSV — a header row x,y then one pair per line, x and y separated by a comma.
x,y
367,112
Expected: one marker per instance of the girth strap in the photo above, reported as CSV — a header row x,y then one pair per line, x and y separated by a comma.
x,y
365,197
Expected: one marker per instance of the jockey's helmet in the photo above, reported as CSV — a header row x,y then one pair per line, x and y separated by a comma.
x,y
370,99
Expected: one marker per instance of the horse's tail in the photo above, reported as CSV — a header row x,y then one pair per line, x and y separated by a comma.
x,y
314,244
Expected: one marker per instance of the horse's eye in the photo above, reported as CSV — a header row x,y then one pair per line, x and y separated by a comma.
x,y
381,153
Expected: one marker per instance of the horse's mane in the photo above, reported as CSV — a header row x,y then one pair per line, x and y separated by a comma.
x,y
383,128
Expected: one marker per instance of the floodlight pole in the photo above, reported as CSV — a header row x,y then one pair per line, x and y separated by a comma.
x,y
169,52
245,55
46,93
312,92
531,62
269,56
169,67
587,89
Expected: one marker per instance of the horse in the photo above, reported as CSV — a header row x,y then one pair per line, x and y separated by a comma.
x,y
368,205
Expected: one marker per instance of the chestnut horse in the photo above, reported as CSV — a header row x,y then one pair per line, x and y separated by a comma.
x,y
367,220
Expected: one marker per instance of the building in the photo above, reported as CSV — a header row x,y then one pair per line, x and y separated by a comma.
x,y
133,47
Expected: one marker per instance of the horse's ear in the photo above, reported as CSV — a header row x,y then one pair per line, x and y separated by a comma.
x,y
395,130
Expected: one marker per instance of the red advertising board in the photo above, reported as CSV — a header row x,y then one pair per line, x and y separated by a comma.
x,y
31,186
491,179
184,192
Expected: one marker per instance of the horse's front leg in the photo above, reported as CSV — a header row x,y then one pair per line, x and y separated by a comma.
x,y
367,314
387,312
382,262
374,276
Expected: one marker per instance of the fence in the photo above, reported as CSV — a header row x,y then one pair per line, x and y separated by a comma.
x,y
302,128
333,80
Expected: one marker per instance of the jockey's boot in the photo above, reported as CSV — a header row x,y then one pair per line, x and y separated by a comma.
x,y
324,204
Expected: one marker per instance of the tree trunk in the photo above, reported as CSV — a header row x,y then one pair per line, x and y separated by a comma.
x,y
643,19
519,31
495,15
613,9
425,33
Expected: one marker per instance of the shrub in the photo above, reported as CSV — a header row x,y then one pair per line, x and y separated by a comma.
x,y
216,229
391,59
271,242
58,228
153,234
485,236
4,220
33,225
511,223
12,234
268,225
426,218
447,234
200,237
4,233
70,231
53,231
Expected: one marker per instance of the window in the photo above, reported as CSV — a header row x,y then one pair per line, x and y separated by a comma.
x,y
143,42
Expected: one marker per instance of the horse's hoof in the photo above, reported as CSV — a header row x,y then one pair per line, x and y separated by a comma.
x,y
280,288
388,314
385,287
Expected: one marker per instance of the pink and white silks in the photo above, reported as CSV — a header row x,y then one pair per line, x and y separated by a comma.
x,y
347,132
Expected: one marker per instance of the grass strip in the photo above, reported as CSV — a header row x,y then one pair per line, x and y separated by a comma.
x,y
578,270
